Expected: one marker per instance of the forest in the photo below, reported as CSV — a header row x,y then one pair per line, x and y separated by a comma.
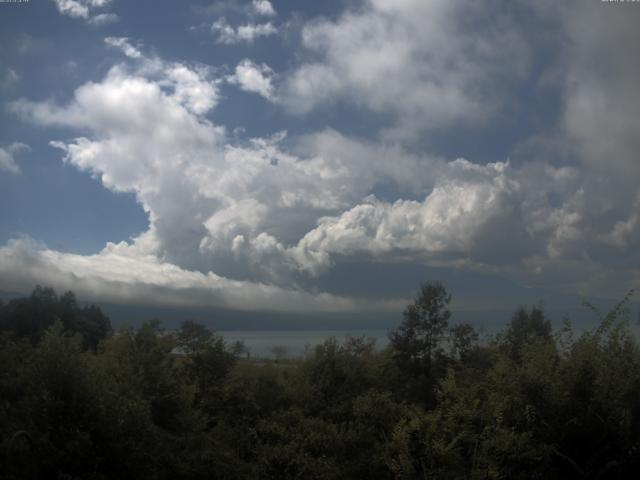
x,y
79,400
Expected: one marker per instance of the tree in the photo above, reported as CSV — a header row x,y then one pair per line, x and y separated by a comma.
x,y
336,373
417,342
279,351
193,337
417,339
30,317
526,327
94,325
463,337
208,362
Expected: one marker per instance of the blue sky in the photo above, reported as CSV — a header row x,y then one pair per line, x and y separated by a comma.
x,y
319,156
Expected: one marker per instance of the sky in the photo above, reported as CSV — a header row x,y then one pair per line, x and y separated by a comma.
x,y
319,158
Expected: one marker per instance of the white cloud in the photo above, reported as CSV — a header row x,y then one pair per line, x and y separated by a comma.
x,y
242,33
455,222
266,214
123,44
115,275
7,157
419,61
263,7
236,210
256,212
104,19
73,8
255,8
310,86
251,77
84,8
192,89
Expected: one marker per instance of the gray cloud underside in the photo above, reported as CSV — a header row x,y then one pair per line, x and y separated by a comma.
x,y
121,278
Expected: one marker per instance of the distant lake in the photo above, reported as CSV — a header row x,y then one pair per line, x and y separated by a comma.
x,y
295,342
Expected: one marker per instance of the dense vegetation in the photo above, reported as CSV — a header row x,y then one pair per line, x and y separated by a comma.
x,y
80,401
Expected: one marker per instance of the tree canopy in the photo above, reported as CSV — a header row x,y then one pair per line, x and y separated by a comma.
x,y
437,402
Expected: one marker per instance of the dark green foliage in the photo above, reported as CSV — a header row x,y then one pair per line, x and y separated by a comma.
x,y
149,404
207,361
525,327
28,318
417,342
193,337
336,374
417,339
464,339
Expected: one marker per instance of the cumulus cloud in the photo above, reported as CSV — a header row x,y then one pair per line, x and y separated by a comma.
x,y
73,8
453,222
192,88
270,213
123,44
7,157
184,88
84,9
251,77
422,62
257,212
238,210
263,7
247,33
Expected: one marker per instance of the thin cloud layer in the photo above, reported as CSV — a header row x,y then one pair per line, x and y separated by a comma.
x,y
7,157
103,19
9,79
